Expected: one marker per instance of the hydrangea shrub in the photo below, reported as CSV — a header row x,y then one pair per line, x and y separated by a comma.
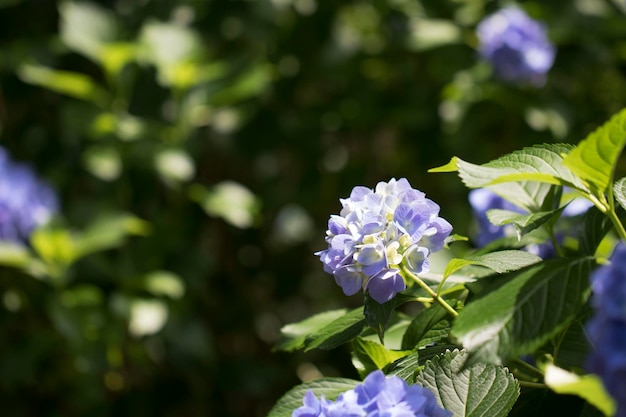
x,y
497,318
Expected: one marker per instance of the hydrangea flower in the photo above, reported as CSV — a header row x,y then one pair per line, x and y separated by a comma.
x,y
26,202
376,232
516,46
482,199
376,396
607,329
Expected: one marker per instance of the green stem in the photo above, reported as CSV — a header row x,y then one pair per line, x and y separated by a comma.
x,y
532,384
528,367
615,220
430,291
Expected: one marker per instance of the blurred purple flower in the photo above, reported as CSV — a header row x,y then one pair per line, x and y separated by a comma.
x,y
482,200
516,46
377,396
376,231
26,202
607,329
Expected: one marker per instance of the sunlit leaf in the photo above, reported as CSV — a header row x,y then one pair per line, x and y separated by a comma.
x,y
588,387
103,162
108,232
65,82
294,335
174,165
479,390
595,157
619,191
147,316
164,283
86,27
522,177
229,200
500,261
369,356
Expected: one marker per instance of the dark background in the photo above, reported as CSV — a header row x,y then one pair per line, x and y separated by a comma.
x,y
310,99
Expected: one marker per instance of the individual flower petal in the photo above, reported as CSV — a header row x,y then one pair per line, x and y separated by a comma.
x,y
385,285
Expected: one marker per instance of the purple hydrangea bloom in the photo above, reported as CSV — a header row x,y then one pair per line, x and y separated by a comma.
x,y
377,396
482,199
376,232
516,46
26,202
607,329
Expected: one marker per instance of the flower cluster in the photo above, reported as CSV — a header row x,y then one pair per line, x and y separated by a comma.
x,y
25,201
482,199
376,396
376,232
516,46
607,329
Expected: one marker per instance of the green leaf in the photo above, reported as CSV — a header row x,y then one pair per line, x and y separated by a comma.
x,y
108,232
369,356
501,261
595,225
524,223
69,83
478,390
619,191
14,255
588,387
231,201
408,367
523,177
86,28
294,335
337,332
330,388
421,324
520,312
378,316
595,157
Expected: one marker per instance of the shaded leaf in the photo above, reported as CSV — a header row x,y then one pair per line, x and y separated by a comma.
x,y
378,316
595,225
524,223
421,324
481,389
520,312
337,332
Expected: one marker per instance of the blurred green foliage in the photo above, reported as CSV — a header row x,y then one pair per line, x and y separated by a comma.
x,y
198,148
